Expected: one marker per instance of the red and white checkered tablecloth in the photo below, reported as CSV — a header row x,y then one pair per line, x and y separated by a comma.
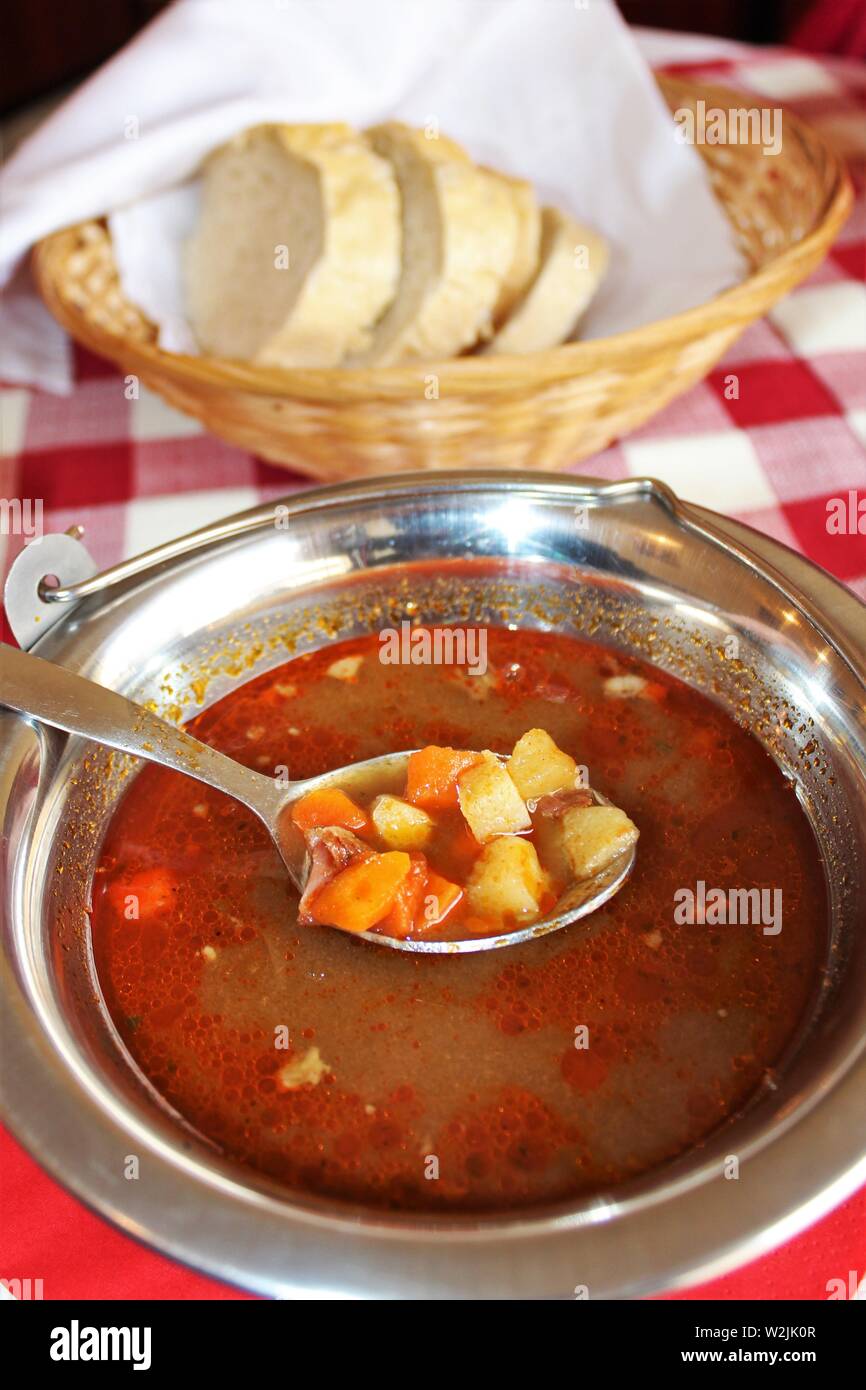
x,y
773,453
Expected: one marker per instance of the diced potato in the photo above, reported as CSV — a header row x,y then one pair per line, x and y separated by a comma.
x,y
537,767
345,668
306,1070
595,835
400,825
507,880
624,687
490,801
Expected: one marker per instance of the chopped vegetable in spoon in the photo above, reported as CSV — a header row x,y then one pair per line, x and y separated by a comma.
x,y
476,845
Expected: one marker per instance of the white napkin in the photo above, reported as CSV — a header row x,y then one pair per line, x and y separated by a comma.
x,y
556,92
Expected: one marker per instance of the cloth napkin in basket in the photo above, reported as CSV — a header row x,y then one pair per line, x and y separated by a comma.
x,y
556,92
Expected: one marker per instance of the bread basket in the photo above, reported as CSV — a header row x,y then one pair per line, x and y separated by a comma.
x,y
543,411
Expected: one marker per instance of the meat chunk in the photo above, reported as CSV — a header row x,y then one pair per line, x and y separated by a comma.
x,y
331,849
555,803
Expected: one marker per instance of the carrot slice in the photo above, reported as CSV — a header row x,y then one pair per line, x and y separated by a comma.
x,y
654,690
441,896
328,806
431,776
148,893
360,896
409,900
481,926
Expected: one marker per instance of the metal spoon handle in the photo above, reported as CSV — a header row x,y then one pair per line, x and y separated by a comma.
x,y
47,692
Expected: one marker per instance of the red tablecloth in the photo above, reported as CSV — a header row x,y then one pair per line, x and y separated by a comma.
x,y
775,433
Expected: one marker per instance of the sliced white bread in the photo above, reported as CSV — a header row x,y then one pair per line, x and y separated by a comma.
x,y
459,236
572,263
297,249
527,246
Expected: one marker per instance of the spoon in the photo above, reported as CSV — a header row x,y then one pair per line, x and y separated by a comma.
x,y
49,693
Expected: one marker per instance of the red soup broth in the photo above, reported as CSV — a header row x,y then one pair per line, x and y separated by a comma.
x,y
544,1071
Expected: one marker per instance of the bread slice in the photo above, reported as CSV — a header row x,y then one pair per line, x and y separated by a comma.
x,y
527,246
321,194
572,263
459,237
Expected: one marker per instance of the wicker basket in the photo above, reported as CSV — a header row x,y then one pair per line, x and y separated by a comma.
x,y
546,410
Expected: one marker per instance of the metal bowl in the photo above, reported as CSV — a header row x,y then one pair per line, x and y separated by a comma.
x,y
772,638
